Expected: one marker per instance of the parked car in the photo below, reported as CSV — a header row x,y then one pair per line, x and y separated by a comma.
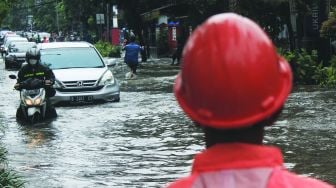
x,y
9,35
17,53
8,40
2,35
81,73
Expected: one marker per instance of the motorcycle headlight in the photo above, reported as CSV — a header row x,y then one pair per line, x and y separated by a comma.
x,y
37,101
40,98
107,79
28,102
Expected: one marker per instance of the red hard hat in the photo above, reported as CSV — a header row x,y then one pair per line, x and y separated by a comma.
x,y
231,76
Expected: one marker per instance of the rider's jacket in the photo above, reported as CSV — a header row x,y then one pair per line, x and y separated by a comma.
x,y
239,165
38,71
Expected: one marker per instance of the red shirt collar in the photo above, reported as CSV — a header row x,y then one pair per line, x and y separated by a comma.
x,y
235,156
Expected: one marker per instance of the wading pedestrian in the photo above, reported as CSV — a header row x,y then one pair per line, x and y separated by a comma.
x,y
132,51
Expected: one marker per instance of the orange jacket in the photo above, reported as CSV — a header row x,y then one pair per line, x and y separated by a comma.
x,y
241,165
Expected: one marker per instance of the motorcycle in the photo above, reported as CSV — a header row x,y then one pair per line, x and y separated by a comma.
x,y
33,102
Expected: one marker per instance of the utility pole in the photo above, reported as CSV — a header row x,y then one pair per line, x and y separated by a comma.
x,y
324,44
57,20
30,22
293,17
108,22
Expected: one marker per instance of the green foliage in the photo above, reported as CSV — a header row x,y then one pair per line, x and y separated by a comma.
x,y
116,52
103,47
328,74
5,8
8,178
328,28
307,70
44,13
3,153
91,21
305,67
106,49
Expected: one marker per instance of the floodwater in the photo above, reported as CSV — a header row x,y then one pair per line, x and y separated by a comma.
x,y
145,140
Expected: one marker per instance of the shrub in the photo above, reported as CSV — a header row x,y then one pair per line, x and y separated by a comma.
x,y
115,52
328,74
106,49
306,69
328,26
8,178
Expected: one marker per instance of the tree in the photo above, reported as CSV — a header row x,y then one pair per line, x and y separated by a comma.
x,y
328,28
5,6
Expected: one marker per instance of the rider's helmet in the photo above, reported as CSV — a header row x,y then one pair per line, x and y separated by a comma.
x,y
33,56
231,76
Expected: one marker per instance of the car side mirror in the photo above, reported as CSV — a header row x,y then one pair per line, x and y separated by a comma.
x,y
24,63
110,61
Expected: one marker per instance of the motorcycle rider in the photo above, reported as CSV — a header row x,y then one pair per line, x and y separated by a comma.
x,y
233,84
34,69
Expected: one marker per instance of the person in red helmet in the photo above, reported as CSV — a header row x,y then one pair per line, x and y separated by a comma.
x,y
232,84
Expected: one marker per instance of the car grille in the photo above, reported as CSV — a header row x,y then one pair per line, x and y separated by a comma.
x,y
79,86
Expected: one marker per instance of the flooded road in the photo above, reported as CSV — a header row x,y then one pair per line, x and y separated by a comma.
x,y
145,140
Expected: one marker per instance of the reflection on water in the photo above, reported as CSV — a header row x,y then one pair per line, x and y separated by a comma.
x,y
145,140
306,132
38,134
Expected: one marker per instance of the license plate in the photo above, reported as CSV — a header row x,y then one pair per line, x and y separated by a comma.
x,y
81,99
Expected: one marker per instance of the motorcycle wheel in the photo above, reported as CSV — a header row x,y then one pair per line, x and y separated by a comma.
x,y
34,118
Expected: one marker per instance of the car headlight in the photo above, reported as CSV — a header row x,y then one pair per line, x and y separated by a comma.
x,y
107,79
57,85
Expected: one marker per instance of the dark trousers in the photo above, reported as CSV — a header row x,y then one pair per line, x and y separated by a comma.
x,y
133,67
176,56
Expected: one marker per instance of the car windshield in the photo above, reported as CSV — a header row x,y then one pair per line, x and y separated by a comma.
x,y
65,58
17,39
20,47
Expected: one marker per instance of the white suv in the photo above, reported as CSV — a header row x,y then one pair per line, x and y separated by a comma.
x,y
81,73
